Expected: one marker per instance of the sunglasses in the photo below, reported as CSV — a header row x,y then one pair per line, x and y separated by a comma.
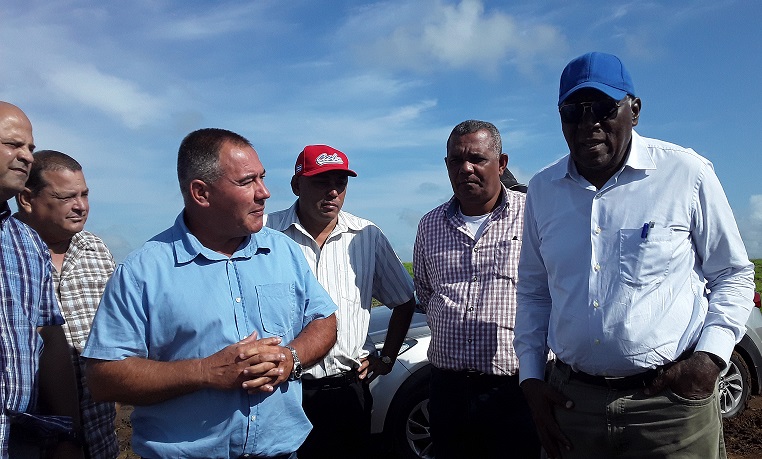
x,y
604,109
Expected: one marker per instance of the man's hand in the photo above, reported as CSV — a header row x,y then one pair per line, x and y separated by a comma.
x,y
250,363
693,378
372,367
542,399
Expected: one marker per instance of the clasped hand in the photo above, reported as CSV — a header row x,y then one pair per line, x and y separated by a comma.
x,y
256,365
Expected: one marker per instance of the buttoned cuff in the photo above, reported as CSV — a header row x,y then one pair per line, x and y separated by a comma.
x,y
532,366
718,341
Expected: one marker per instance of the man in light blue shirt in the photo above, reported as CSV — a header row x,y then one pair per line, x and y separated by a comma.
x,y
633,272
206,327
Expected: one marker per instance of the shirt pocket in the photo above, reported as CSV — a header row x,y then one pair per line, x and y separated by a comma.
x,y
644,260
277,308
507,259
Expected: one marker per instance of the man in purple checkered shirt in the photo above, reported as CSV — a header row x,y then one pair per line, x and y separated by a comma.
x,y
32,377
55,203
465,262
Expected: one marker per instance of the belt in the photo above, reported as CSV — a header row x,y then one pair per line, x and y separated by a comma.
x,y
251,456
338,380
631,382
473,375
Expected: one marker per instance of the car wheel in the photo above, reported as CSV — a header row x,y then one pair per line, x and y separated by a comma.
x,y
409,424
735,387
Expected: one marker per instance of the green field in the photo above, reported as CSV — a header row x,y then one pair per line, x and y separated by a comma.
x,y
757,272
409,266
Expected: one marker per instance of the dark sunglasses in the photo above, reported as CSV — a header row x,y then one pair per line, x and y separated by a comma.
x,y
604,109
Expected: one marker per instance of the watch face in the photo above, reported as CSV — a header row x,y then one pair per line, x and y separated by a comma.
x,y
296,372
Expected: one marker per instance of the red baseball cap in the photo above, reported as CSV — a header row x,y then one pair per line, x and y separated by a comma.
x,y
316,159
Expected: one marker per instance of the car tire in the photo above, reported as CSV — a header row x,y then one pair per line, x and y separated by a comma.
x,y
735,387
408,420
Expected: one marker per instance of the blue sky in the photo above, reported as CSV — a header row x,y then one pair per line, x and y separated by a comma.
x,y
118,85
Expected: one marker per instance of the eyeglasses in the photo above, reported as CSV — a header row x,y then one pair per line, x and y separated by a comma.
x,y
604,109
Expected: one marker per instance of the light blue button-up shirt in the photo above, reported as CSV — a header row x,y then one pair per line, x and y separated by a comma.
x,y
175,299
630,276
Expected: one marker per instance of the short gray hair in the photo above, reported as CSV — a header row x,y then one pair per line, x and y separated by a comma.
x,y
199,156
471,126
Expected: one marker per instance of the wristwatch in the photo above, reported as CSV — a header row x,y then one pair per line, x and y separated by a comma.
x,y
296,373
387,360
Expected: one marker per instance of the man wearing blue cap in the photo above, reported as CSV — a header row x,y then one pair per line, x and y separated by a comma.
x,y
633,272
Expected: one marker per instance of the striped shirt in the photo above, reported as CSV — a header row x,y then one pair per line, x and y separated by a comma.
x,y
86,267
468,287
355,265
28,302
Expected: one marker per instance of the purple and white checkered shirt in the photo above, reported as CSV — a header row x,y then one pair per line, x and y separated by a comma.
x,y
468,288
86,268
28,302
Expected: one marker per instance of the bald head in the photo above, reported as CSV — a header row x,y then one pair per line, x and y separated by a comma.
x,y
16,147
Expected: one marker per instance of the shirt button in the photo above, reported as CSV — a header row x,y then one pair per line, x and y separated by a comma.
x,y
238,300
597,341
598,196
469,340
476,249
597,267
595,304
471,308
474,278
253,418
597,230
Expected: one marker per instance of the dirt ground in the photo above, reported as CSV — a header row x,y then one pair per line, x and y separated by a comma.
x,y
742,434
743,438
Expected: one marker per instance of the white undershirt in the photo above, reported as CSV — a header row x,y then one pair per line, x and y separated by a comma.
x,y
475,224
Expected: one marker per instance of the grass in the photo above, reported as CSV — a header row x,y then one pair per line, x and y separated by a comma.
x,y
409,266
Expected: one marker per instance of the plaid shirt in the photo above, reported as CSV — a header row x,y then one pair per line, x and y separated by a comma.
x,y
468,288
28,302
87,265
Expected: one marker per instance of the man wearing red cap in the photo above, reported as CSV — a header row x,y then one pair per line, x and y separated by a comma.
x,y
633,272
355,263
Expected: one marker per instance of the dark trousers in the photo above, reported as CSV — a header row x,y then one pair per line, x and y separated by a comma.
x,y
339,410
480,416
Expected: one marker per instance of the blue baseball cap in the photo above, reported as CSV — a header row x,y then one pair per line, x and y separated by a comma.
x,y
601,71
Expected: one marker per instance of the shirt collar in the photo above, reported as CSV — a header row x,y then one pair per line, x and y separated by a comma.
x,y
187,246
80,241
291,218
5,213
638,158
453,204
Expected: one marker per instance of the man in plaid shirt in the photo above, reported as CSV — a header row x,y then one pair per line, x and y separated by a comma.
x,y
465,262
55,204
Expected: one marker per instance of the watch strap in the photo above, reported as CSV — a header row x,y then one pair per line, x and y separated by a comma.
x,y
296,372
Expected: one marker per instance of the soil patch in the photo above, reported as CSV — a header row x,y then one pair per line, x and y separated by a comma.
x,y
742,434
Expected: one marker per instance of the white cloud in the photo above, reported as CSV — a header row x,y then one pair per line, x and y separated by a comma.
x,y
751,227
84,84
424,36
217,20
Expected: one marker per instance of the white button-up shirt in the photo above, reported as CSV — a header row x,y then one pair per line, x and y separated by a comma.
x,y
355,265
630,276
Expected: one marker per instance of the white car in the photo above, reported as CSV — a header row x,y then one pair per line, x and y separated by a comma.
x,y
401,398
